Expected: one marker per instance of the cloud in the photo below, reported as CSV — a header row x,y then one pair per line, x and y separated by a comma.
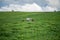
x,y
39,2
21,2
30,5
54,3
26,7
49,8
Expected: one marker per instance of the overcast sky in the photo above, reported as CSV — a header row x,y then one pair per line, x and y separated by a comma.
x,y
29,5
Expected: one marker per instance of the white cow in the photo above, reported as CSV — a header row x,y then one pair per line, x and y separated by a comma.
x,y
29,19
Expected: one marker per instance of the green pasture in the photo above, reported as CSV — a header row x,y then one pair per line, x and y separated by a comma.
x,y
46,26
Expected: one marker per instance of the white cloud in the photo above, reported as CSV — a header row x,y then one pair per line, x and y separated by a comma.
x,y
54,3
30,5
27,8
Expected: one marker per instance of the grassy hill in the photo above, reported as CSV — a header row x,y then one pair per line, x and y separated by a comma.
x,y
46,26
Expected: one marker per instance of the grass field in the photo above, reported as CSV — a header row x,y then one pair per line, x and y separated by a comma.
x,y
46,26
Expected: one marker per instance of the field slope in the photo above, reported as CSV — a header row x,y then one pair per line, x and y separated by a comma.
x,y
46,26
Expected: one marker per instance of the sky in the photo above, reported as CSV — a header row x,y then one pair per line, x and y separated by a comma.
x,y
30,5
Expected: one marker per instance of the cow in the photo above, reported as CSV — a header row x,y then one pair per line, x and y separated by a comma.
x,y
29,19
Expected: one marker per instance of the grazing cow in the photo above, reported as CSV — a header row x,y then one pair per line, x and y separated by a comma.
x,y
29,19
